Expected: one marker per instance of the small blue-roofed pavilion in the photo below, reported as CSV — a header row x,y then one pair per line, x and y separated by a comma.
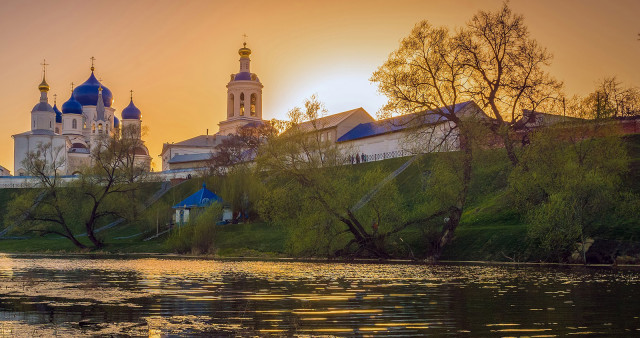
x,y
200,199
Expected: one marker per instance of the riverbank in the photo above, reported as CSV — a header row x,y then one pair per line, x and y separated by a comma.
x,y
491,228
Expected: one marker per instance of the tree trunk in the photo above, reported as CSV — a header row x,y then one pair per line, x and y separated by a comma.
x,y
91,235
96,242
508,146
76,242
455,213
448,230
584,252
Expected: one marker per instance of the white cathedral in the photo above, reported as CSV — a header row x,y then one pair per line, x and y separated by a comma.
x,y
84,118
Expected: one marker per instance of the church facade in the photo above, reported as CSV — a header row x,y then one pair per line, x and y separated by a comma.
x,y
71,131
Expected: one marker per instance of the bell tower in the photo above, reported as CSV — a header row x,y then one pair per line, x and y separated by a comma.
x,y
244,96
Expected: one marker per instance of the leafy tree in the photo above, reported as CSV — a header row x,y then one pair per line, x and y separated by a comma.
x,y
313,193
506,71
568,183
425,77
242,189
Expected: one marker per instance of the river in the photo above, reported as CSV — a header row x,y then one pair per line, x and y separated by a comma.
x,y
172,296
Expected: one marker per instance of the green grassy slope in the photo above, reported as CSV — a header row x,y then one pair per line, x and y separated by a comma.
x,y
491,229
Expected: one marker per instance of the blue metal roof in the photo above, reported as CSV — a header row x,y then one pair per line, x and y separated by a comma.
x,y
201,198
242,76
87,93
131,112
42,106
394,124
72,106
190,158
58,113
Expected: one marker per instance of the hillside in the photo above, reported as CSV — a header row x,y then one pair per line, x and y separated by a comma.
x,y
491,229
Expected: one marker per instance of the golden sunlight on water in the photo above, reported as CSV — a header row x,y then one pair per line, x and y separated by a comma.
x,y
158,297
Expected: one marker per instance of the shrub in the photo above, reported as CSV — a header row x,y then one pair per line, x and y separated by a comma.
x,y
198,235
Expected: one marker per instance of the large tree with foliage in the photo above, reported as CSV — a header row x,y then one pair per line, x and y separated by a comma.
x,y
425,77
569,183
313,192
241,188
103,192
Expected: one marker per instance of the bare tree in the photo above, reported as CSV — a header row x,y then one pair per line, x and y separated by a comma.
x,y
104,191
240,147
111,182
506,70
612,99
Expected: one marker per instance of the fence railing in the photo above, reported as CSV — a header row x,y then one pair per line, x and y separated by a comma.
x,y
363,158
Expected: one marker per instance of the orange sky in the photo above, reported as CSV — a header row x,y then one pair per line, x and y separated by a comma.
x,y
177,55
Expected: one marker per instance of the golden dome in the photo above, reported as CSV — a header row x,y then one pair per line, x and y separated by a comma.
x,y
44,86
244,51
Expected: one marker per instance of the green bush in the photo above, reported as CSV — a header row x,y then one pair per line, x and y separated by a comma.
x,y
197,237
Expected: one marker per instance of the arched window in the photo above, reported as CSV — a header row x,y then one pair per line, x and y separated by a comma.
x,y
241,104
50,124
100,128
74,124
34,123
253,104
230,106
57,130
93,128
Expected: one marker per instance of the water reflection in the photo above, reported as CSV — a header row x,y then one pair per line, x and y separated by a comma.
x,y
73,296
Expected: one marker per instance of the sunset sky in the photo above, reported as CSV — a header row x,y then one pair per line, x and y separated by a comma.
x,y
177,55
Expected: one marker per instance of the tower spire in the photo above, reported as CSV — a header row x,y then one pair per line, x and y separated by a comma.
x,y
100,106
44,86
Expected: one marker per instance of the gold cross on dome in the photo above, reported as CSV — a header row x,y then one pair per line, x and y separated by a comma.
x,y
55,98
245,39
92,59
131,91
71,87
44,65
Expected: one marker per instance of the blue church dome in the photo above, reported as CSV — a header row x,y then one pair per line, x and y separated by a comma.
x,y
116,122
58,113
242,76
131,112
87,93
42,106
72,106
